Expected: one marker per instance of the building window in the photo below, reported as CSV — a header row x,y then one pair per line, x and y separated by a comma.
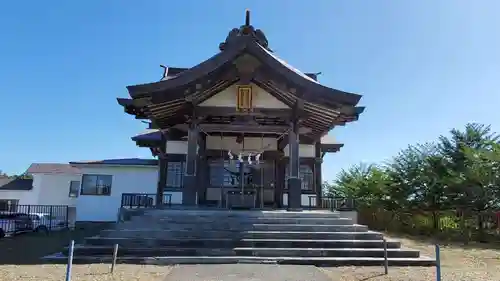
x,y
9,205
96,185
74,188
175,174
305,174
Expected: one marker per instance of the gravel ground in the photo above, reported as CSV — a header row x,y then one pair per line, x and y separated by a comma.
x,y
93,272
457,264
246,272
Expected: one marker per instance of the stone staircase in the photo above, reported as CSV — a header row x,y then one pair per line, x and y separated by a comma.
x,y
221,236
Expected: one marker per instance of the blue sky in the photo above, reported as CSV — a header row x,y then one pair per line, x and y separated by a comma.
x,y
423,67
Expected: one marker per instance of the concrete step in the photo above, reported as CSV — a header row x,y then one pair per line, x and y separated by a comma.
x,y
210,234
240,214
326,252
310,227
318,261
221,236
211,220
248,251
221,226
233,243
368,235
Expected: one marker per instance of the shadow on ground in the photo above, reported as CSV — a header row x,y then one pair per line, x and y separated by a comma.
x,y
30,247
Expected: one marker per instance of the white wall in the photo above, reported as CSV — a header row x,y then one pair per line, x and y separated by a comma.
x,y
126,179
54,189
177,147
251,143
260,99
25,197
305,150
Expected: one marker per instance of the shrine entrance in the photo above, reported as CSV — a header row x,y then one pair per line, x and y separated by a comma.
x,y
241,179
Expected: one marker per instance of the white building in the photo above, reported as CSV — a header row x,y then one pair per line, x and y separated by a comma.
x,y
49,186
97,199
93,188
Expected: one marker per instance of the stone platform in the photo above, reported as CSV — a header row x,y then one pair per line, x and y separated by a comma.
x,y
197,236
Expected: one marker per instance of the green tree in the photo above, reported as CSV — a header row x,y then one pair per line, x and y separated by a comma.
x,y
465,152
459,172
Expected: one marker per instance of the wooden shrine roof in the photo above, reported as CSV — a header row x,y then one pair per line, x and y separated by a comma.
x,y
244,57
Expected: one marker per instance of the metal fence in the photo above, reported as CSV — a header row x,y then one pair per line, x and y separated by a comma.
x,y
332,203
143,200
28,218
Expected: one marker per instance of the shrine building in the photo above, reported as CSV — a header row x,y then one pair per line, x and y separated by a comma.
x,y
242,129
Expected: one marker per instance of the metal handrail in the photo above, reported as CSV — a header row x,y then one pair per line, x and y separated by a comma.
x,y
332,203
143,200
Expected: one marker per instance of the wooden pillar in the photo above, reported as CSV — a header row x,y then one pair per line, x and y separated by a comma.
x,y
279,185
202,168
294,182
190,184
318,180
162,172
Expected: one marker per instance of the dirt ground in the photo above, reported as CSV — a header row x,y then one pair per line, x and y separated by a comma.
x,y
20,260
458,263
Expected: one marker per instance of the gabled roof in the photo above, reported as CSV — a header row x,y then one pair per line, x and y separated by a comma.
x,y
16,184
246,57
119,162
247,45
52,168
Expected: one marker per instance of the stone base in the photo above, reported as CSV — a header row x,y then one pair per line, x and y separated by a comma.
x,y
189,190
294,194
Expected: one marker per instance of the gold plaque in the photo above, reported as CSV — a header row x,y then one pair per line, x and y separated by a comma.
x,y
244,98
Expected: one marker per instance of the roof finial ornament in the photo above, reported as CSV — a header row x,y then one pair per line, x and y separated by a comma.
x,y
247,17
246,30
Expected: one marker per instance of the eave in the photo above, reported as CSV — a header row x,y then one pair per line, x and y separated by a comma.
x,y
132,107
246,45
330,147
